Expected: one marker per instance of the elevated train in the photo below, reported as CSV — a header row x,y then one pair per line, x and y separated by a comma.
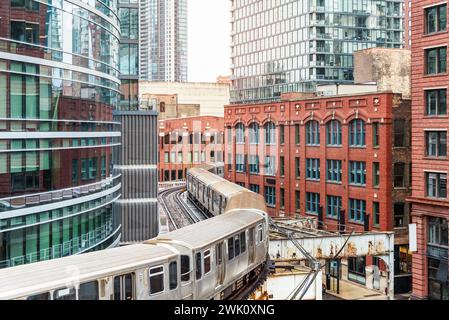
x,y
208,260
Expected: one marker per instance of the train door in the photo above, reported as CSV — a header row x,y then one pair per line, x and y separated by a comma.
x,y
251,245
124,288
186,278
219,262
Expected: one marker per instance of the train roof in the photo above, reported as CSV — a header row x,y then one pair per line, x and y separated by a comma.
x,y
198,235
227,188
249,199
205,176
44,276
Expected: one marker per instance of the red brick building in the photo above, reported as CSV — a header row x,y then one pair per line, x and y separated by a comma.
x,y
430,205
188,142
341,157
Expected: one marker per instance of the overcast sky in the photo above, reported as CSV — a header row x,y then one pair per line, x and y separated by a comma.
x,y
208,37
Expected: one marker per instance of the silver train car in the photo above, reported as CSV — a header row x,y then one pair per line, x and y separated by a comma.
x,y
207,260
209,191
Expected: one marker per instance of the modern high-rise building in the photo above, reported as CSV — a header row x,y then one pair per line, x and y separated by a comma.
x,y
291,46
163,46
430,200
59,85
136,162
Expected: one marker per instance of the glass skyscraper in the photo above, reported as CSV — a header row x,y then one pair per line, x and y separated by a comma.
x,y
59,85
163,49
293,45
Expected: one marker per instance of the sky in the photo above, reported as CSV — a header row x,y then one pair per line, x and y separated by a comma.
x,y
208,37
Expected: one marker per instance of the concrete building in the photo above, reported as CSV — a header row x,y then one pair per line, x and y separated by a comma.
x,y
57,130
168,107
212,97
136,160
430,203
163,46
188,142
293,45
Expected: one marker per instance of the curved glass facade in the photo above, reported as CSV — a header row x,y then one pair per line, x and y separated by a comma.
x,y
58,88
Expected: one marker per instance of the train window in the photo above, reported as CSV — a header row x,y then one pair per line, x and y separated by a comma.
x,y
40,296
173,274
206,261
243,242
88,291
237,245
230,248
65,294
156,279
198,265
259,233
185,268
124,287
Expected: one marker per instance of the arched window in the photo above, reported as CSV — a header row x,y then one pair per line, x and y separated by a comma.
x,y
333,133
240,133
254,133
313,133
270,133
357,133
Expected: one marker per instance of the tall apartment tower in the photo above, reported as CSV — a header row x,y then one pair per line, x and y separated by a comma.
x,y
430,203
136,162
291,46
163,50
58,89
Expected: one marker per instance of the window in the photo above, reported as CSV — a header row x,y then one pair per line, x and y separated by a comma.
x,y
334,170
399,172
240,163
74,170
438,232
156,279
436,185
282,197
282,166
436,60
185,268
399,214
399,132
436,102
206,261
357,133
436,18
237,245
269,165
199,271
313,169
282,134
376,213
40,296
297,136
254,133
231,248
27,4
333,133
129,25
376,174
129,59
260,233
375,127
270,196
312,202
84,169
297,168
333,206
313,133
436,143
270,133
88,291
242,242
297,200
254,188
253,164
173,275
357,210
357,173
25,32
240,133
